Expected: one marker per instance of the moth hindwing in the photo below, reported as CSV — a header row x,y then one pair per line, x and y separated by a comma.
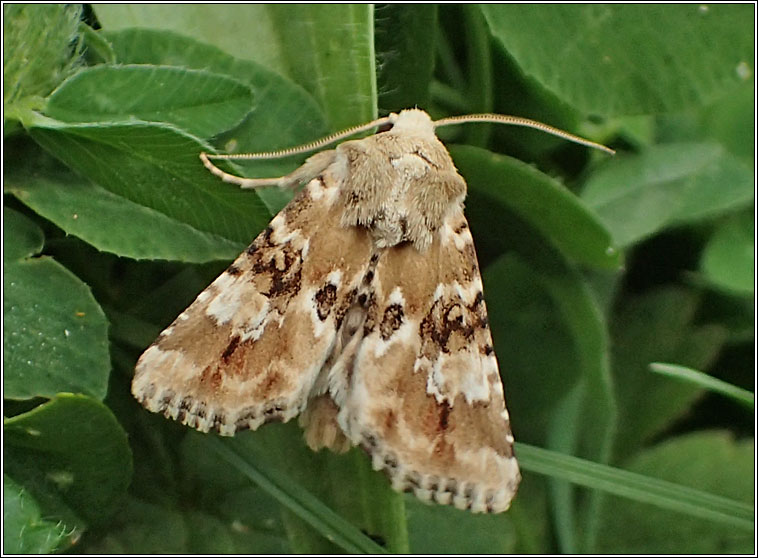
x,y
360,308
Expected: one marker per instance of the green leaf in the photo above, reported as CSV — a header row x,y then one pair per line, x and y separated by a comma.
x,y
37,53
537,358
638,195
200,102
728,260
21,237
657,326
52,343
437,530
156,166
732,510
245,31
115,224
629,59
406,41
729,122
209,535
25,531
70,450
711,461
144,528
571,361
585,327
546,205
253,520
329,50
283,113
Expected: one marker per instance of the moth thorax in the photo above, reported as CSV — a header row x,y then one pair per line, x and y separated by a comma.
x,y
400,184
400,221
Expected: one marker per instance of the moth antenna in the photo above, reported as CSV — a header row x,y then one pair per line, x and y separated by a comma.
x,y
312,146
520,121
281,153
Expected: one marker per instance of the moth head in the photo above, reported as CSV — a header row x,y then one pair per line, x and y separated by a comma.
x,y
412,122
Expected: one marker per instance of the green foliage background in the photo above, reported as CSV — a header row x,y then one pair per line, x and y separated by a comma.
x,y
594,266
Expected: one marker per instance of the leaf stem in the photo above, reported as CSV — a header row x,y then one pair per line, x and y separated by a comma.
x,y
480,82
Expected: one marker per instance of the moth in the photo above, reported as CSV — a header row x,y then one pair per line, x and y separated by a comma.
x,y
360,309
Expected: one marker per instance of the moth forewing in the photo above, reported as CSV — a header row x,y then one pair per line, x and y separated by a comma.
x,y
425,397
361,309
250,348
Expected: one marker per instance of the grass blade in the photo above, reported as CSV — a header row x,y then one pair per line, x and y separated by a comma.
x,y
700,379
293,496
637,487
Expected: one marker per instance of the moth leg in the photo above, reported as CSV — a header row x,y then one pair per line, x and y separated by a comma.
x,y
312,168
238,180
